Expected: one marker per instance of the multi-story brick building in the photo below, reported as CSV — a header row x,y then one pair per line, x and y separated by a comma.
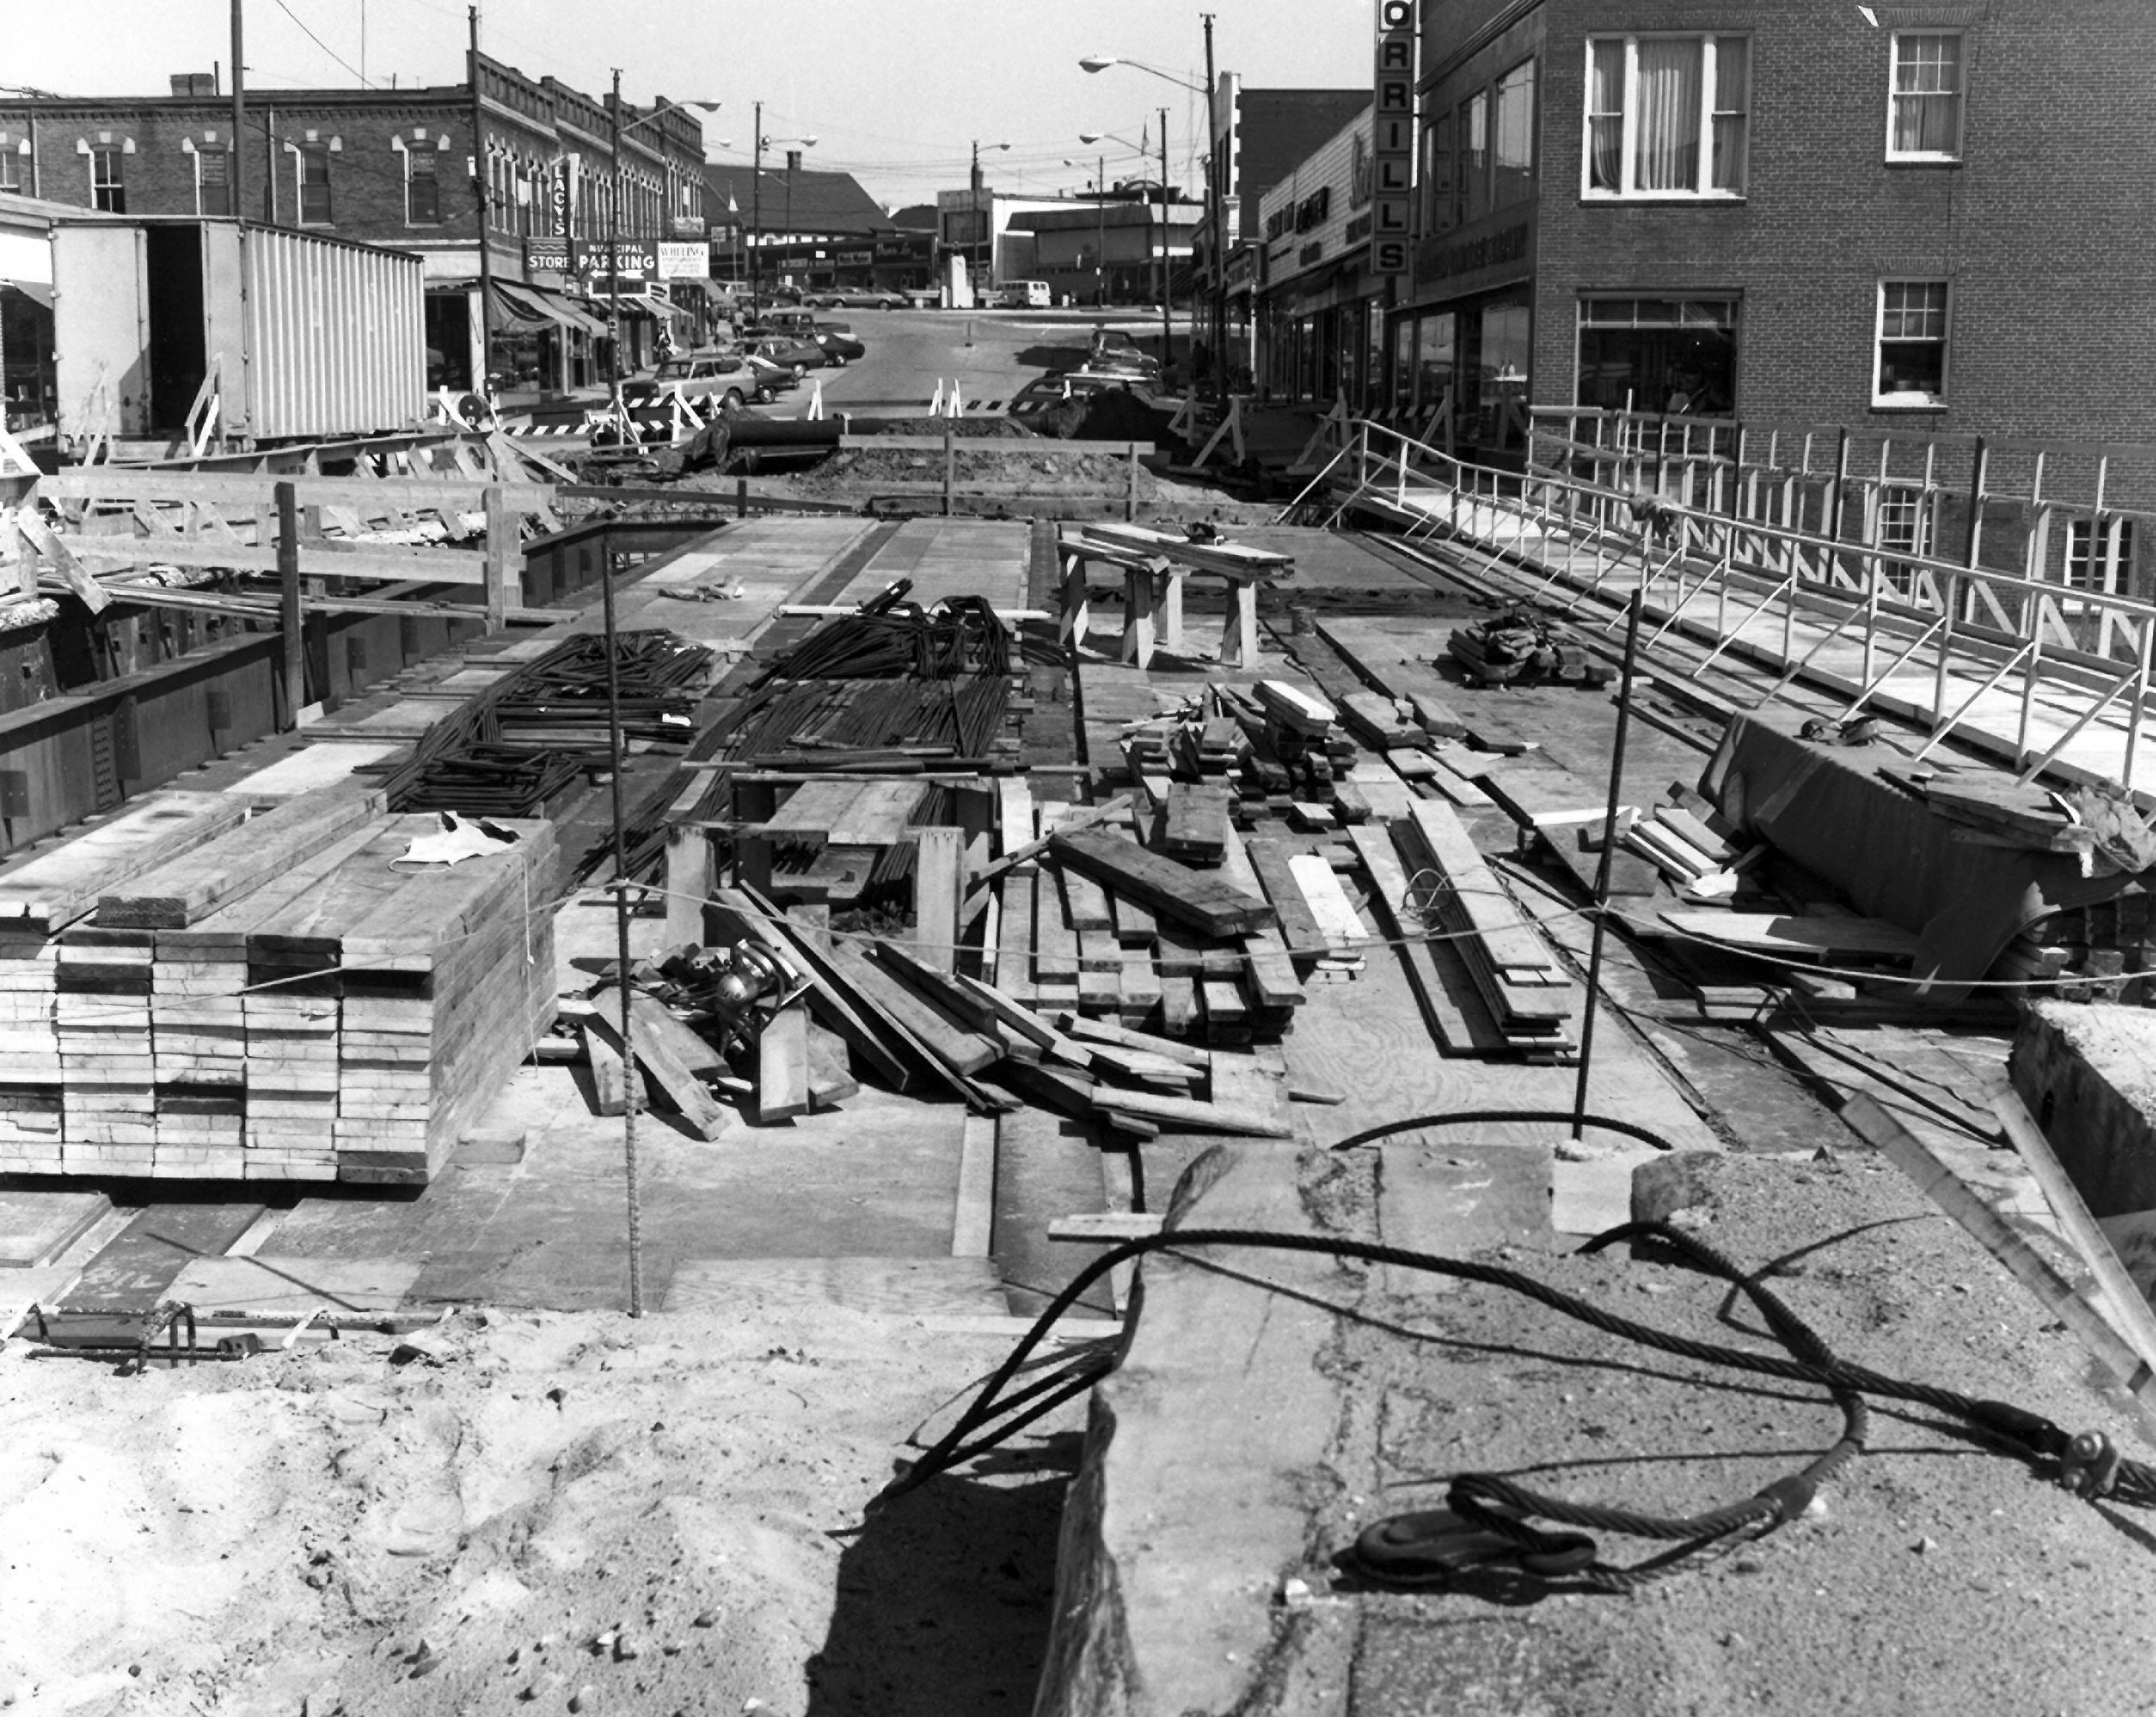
x,y
1917,218
397,166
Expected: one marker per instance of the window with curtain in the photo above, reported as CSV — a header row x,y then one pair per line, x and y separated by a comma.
x,y
1925,121
1475,156
1513,141
423,189
11,173
212,182
1911,368
1667,115
313,165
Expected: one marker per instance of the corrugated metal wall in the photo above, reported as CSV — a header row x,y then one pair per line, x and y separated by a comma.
x,y
337,337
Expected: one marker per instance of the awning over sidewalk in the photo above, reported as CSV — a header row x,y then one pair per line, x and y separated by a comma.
x,y
517,302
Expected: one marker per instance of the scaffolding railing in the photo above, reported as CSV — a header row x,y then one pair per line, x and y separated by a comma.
x,y
1791,557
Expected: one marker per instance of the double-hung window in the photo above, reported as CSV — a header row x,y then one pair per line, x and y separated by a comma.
x,y
1667,115
213,182
1911,366
314,171
423,189
1924,121
10,174
108,183
1513,141
2100,554
1474,177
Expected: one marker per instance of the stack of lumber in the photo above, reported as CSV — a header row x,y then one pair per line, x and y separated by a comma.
x,y
280,998
1697,857
1528,995
1271,747
1998,810
2106,951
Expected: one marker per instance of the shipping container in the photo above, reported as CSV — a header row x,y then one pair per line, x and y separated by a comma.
x,y
310,337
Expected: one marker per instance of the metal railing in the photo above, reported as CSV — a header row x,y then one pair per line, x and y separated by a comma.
x,y
1755,556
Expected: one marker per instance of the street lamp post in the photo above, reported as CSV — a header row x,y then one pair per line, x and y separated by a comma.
x,y
1214,188
1140,149
973,246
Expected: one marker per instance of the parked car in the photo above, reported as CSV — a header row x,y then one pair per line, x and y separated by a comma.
x,y
856,298
800,324
840,348
797,356
924,297
773,377
700,374
1044,393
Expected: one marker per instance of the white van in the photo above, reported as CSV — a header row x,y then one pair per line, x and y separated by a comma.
x,y
1024,295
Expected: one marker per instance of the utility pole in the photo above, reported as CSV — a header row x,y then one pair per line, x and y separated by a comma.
x,y
1167,330
480,191
1101,234
793,161
613,247
755,202
1216,174
974,248
239,115
269,164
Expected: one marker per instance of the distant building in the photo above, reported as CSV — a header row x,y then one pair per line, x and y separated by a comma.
x,y
1105,249
1257,136
397,168
1320,320
795,226
1783,211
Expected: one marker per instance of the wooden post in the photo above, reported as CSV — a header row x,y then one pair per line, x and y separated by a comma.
x,y
741,497
1238,637
1138,617
688,884
950,466
288,603
500,529
1131,494
1171,613
1076,601
938,869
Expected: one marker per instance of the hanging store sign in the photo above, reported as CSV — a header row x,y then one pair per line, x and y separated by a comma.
x,y
1393,142
682,261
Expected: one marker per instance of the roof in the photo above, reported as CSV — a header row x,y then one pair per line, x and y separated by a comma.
x,y
916,217
822,202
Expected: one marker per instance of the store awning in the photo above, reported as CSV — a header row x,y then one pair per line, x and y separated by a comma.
x,y
535,304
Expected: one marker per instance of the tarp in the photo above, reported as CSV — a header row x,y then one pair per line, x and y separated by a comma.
x,y
535,304
1830,809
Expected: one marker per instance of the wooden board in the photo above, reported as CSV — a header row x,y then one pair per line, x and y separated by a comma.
x,y
1299,927
57,887
188,888
1168,889
1827,937
782,1065
745,916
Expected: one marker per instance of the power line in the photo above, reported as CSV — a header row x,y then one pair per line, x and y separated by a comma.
x,y
323,45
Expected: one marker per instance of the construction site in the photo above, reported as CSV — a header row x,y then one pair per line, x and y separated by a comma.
x,y
1468,1089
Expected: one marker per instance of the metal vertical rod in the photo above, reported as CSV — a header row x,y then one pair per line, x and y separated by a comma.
x,y
480,191
615,759
1608,853
1216,162
237,172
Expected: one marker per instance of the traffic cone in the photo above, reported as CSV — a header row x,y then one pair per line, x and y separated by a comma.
x,y
957,402
936,404
816,403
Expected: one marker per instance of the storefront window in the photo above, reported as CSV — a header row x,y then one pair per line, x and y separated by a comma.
x,y
1373,375
1433,362
27,395
1404,367
1494,355
1659,354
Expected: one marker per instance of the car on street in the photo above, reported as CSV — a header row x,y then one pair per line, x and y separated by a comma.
x,y
796,356
1044,393
840,348
698,375
856,298
800,324
924,297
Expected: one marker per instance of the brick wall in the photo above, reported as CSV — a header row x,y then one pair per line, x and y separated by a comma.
x,y
2042,230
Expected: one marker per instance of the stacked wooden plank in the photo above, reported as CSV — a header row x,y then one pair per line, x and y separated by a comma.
x,y
285,998
1528,995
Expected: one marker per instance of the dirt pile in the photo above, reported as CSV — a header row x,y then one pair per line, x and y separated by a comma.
x,y
519,1512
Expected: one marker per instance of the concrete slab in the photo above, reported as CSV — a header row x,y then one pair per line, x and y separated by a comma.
x,y
37,1226
312,767
282,1286
1458,1199
22,1289
756,1287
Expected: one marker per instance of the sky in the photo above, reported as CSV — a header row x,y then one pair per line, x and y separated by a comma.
x,y
896,92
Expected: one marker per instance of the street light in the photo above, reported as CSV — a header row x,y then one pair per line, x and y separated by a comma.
x,y
1215,192
974,246
1166,328
617,131
792,156
756,202
1100,212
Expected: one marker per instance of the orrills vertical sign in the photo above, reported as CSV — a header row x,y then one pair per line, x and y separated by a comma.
x,y
1393,141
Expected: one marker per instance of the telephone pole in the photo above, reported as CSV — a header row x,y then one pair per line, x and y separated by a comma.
x,y
756,204
1166,329
236,172
1216,162
478,187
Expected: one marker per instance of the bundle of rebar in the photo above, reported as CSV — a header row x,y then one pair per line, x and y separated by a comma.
x,y
890,639
844,723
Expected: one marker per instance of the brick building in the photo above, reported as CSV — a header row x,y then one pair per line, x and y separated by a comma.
x,y
1917,219
397,168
